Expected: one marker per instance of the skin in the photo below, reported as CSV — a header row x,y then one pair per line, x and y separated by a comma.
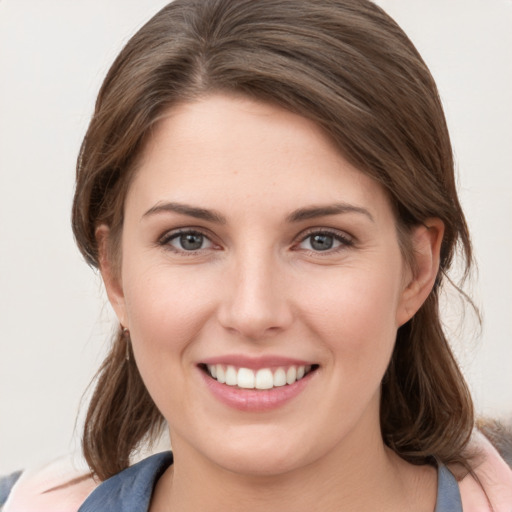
x,y
257,286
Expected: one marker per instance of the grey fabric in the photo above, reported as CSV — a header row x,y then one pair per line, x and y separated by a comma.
x,y
6,484
130,490
448,494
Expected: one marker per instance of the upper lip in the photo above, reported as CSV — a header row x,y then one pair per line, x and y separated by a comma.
x,y
255,363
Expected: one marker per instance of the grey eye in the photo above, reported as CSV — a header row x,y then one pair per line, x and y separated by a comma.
x,y
187,241
324,241
321,242
191,241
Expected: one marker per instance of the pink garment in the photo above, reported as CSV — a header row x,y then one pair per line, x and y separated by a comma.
x,y
495,477
32,492
28,495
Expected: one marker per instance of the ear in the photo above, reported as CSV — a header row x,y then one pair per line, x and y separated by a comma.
x,y
111,274
426,242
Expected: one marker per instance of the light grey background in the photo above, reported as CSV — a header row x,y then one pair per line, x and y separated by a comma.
x,y
54,322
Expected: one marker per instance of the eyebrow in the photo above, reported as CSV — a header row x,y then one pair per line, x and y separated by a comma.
x,y
310,212
185,209
313,212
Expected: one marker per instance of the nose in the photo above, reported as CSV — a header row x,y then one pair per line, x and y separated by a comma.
x,y
256,304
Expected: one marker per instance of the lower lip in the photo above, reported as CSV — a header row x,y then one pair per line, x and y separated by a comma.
x,y
252,399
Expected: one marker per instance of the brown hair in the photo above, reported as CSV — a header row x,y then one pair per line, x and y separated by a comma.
x,y
344,64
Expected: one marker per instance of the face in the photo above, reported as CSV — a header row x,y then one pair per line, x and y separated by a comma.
x,y
262,283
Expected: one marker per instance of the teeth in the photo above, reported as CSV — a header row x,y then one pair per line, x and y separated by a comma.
x,y
221,374
231,376
291,375
264,378
245,378
280,377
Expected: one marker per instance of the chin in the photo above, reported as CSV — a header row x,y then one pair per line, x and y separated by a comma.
x,y
255,454
259,463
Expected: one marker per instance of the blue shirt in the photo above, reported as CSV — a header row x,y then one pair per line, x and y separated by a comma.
x,y
131,490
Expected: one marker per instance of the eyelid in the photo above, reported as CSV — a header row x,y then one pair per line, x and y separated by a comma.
x,y
344,238
172,234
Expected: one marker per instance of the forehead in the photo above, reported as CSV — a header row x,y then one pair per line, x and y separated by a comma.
x,y
223,148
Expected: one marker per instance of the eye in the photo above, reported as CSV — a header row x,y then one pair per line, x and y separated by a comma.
x,y
322,241
187,241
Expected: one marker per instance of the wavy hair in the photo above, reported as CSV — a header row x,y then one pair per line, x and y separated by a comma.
x,y
346,65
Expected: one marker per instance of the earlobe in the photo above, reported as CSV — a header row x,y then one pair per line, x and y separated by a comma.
x,y
426,241
111,273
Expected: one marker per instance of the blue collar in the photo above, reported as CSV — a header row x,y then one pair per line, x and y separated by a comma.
x,y
448,494
131,490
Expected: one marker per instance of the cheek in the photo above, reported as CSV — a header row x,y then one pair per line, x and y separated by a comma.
x,y
167,313
166,308
354,312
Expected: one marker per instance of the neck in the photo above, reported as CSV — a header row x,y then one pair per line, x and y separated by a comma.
x,y
346,479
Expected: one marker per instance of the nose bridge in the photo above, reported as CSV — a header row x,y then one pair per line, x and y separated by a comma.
x,y
256,302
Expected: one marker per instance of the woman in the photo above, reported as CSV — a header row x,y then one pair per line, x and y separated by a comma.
x,y
267,188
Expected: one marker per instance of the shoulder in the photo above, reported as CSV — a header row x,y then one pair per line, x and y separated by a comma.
x,y
60,486
130,490
489,488
66,485
6,484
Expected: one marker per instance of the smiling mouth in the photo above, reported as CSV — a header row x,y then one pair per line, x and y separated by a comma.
x,y
263,379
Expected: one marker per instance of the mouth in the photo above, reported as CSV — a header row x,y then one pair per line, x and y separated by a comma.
x,y
257,379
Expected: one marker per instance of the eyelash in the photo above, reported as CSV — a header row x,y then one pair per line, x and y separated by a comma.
x,y
173,235
344,240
